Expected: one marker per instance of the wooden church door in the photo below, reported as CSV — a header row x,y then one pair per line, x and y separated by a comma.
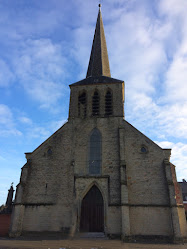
x,y
92,211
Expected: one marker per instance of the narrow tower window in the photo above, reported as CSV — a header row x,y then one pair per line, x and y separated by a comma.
x,y
108,103
95,104
95,153
82,105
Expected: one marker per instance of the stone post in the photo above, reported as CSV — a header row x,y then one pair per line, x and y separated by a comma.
x,y
124,188
174,211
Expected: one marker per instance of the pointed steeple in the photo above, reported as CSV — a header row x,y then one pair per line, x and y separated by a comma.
x,y
99,63
98,69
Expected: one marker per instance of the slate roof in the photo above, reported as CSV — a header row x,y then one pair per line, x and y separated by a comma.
x,y
98,69
99,63
96,80
183,187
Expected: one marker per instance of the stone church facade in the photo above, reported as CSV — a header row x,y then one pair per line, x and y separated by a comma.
x,y
98,173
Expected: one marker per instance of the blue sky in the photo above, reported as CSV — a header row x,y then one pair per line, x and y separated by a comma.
x,y
45,46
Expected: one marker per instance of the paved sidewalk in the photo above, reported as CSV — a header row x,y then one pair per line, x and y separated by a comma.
x,y
6,243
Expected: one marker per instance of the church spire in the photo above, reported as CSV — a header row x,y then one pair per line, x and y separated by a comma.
x,y
99,63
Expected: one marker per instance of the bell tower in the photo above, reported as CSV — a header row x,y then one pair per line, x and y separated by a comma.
x,y
98,95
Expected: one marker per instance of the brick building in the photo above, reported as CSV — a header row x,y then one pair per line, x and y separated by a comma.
x,y
5,213
183,186
98,173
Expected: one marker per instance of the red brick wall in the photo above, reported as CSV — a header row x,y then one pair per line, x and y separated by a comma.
x,y
178,192
4,224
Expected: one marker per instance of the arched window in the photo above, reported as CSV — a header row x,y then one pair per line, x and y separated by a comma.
x,y
95,104
82,105
95,153
108,103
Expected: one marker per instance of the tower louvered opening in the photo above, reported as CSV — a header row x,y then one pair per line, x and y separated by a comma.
x,y
82,105
95,104
108,103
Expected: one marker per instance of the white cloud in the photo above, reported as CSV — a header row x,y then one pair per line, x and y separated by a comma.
x,y
40,68
140,51
176,76
38,132
147,48
169,120
151,53
43,132
6,76
55,125
5,114
173,7
25,120
83,37
178,157
7,124
176,87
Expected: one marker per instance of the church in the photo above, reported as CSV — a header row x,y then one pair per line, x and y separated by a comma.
x,y
98,173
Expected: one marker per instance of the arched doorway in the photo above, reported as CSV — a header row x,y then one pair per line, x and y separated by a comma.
x,y
92,211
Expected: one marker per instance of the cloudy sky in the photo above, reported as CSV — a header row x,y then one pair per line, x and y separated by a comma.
x,y
45,46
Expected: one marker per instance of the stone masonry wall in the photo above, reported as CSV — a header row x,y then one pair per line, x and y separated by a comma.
x,y
150,221
48,193
117,93
109,181
145,171
148,195
110,152
49,196
56,176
